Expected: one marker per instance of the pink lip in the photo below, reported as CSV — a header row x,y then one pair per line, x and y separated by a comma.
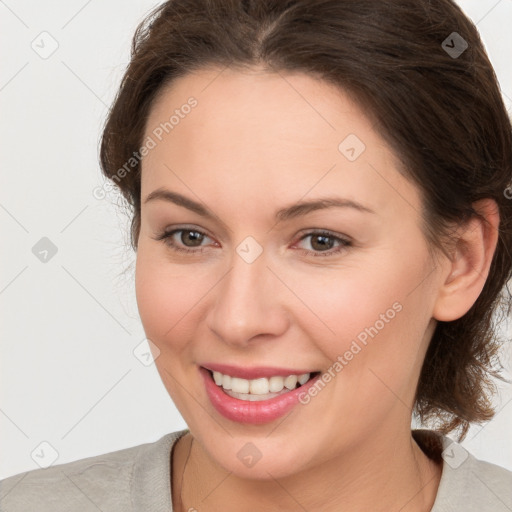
x,y
255,372
254,413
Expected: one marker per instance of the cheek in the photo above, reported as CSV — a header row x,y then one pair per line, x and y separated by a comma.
x,y
370,324
168,298
165,307
339,305
149,294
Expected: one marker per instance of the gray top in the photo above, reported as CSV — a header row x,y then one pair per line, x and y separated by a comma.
x,y
139,479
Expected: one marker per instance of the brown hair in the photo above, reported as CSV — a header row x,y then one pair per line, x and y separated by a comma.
x,y
442,113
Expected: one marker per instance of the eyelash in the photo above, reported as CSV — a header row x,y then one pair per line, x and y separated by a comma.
x,y
166,237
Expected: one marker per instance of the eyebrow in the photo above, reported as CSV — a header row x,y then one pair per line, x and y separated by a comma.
x,y
289,212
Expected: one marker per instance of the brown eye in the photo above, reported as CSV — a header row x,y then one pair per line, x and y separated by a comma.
x,y
322,243
195,237
183,239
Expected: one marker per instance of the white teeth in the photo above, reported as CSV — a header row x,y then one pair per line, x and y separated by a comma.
x,y
261,386
226,382
239,385
303,378
291,381
276,384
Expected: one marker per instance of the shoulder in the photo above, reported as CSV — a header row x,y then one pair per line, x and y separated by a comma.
x,y
103,482
474,484
468,483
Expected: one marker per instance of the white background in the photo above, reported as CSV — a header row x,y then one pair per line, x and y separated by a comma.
x,y
69,326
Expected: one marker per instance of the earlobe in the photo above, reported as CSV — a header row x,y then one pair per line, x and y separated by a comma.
x,y
471,260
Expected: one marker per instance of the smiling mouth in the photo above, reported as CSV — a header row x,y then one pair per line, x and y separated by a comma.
x,y
262,388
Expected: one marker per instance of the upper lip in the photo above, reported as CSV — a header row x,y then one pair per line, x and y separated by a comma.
x,y
254,372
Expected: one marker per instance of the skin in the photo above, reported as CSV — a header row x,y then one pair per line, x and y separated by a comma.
x,y
257,142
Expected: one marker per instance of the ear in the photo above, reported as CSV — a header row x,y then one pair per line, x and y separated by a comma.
x,y
468,268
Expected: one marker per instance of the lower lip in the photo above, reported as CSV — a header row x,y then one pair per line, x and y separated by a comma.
x,y
256,413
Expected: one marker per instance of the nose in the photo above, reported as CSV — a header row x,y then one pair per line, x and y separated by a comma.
x,y
248,303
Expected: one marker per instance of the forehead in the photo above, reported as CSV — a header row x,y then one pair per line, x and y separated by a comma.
x,y
270,131
245,103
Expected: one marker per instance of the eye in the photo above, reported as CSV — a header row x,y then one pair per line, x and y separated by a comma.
x,y
322,242
189,240
186,236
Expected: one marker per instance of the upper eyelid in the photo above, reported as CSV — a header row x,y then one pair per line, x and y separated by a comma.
x,y
186,228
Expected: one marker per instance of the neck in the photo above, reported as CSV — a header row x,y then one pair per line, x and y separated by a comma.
x,y
384,473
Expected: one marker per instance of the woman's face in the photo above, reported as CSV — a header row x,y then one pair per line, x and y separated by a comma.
x,y
344,290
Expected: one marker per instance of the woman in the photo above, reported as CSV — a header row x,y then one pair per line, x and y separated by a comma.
x,y
322,222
